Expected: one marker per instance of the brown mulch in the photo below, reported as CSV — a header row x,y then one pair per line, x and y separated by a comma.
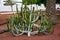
x,y
9,36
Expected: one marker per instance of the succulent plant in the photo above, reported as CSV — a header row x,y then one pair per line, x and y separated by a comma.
x,y
26,20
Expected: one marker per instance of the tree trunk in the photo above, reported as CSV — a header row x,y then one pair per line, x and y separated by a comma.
x,y
51,10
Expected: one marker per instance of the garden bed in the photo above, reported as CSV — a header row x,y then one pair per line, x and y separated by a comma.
x,y
54,36
8,36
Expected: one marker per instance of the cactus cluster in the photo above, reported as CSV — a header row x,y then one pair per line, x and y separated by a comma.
x,y
25,21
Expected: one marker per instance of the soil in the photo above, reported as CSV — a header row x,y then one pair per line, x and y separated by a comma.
x,y
9,36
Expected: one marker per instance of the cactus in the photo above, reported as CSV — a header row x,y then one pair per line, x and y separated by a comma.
x,y
23,22
26,20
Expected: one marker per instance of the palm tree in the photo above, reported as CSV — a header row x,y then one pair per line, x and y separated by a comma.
x,y
51,10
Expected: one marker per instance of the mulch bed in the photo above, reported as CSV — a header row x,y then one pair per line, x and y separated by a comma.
x,y
9,36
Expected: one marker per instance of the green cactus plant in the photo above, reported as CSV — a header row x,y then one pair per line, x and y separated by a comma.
x,y
26,20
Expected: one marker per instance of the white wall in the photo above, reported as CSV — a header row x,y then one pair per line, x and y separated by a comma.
x,y
7,8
